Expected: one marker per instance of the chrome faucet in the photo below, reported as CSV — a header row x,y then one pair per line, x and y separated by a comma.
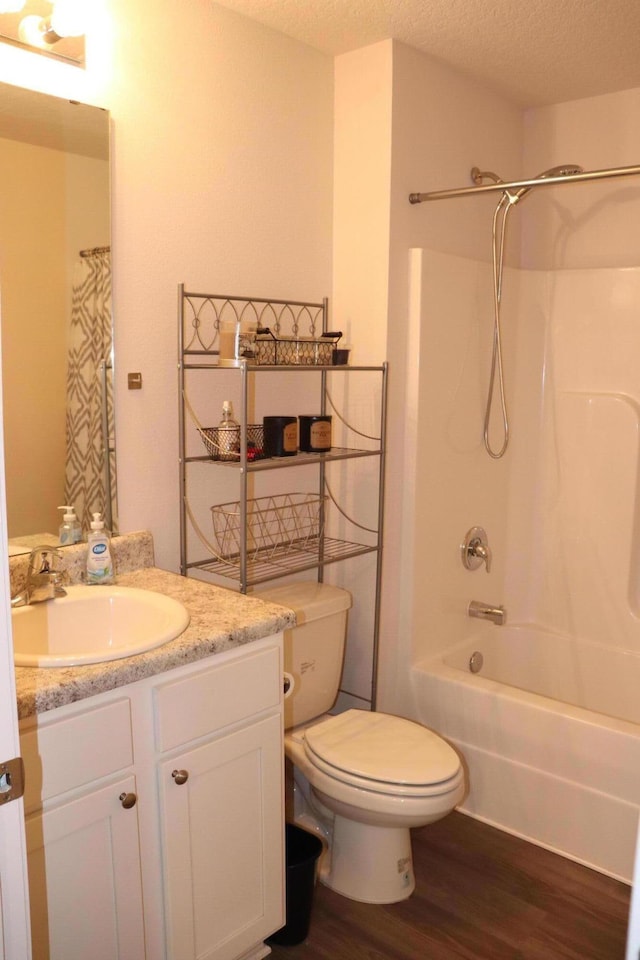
x,y
484,611
475,550
44,577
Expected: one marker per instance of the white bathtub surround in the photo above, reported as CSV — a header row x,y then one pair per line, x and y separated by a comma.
x,y
561,512
558,775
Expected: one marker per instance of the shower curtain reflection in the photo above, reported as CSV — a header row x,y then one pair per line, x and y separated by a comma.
x,y
90,461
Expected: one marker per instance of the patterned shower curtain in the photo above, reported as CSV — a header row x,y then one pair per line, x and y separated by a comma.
x,y
90,465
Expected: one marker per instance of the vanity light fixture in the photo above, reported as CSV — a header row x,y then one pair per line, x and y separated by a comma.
x,y
53,27
11,6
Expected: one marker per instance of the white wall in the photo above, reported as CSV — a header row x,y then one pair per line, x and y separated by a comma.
x,y
404,123
561,507
222,178
443,124
579,361
591,224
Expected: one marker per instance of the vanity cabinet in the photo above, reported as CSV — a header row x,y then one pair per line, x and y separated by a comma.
x,y
221,801
82,842
84,877
154,815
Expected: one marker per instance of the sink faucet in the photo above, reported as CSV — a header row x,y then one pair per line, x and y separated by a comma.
x,y
44,577
484,611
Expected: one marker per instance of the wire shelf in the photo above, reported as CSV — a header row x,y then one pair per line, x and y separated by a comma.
x,y
301,458
261,570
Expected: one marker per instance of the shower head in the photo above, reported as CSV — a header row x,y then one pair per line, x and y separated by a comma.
x,y
563,170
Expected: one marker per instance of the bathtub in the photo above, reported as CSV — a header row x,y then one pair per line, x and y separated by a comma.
x,y
550,732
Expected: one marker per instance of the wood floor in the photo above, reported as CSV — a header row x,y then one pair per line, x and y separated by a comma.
x,y
480,895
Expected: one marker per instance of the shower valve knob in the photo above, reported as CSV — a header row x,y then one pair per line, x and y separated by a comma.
x,y
475,550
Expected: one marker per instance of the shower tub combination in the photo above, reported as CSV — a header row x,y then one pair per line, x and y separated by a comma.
x,y
549,726
550,735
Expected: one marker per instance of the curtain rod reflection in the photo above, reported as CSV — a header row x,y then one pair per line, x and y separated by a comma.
x,y
95,251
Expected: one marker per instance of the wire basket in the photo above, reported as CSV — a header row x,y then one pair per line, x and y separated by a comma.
x,y
276,526
224,444
295,351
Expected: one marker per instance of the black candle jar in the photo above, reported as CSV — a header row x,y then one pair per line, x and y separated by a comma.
x,y
280,436
315,434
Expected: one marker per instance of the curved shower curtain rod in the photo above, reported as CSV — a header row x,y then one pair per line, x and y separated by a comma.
x,y
516,184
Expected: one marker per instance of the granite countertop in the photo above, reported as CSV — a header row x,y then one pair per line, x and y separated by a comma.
x,y
220,620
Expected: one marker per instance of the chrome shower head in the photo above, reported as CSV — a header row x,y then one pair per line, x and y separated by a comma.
x,y
563,170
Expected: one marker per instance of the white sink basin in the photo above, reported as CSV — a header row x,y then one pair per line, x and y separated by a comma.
x,y
94,624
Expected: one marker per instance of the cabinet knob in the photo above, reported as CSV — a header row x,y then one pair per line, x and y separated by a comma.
x,y
128,800
180,776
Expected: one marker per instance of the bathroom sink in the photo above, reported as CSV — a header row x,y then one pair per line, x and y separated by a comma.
x,y
94,624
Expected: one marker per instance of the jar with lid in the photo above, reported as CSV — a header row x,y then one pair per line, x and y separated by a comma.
x,y
315,433
280,436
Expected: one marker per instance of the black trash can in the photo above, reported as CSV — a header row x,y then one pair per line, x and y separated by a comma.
x,y
302,850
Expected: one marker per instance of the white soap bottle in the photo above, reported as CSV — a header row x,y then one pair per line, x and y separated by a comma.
x,y
99,562
70,529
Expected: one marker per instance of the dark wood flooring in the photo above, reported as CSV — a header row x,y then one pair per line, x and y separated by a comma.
x,y
480,895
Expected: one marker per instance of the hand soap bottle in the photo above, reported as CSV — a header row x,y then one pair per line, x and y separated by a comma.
x,y
99,562
70,529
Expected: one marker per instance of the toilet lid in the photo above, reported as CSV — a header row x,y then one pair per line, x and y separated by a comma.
x,y
379,747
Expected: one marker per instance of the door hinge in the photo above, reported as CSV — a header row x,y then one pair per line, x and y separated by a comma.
x,y
11,780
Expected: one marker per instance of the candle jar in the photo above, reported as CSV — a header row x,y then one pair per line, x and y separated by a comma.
x,y
280,436
315,433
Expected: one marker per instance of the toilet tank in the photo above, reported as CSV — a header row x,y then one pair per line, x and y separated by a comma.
x,y
314,649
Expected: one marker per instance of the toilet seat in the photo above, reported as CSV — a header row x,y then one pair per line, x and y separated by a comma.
x,y
382,754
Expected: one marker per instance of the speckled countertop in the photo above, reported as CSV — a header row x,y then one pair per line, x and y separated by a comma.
x,y
220,620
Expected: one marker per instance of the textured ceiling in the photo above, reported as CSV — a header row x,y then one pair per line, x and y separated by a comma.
x,y
532,51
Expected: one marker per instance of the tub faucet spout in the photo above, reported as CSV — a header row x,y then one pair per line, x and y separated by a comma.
x,y
485,611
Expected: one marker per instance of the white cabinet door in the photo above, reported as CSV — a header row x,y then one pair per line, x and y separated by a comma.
x,y
84,878
222,836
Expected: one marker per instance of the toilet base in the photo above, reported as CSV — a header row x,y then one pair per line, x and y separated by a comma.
x,y
368,863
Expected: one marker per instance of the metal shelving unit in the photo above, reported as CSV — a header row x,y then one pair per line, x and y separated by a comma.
x,y
199,319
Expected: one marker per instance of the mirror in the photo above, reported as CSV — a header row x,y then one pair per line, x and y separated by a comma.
x,y
55,302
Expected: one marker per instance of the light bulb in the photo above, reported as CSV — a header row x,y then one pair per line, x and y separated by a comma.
x,y
11,6
69,17
33,31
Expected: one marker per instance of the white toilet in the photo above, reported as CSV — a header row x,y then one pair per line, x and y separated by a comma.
x,y
368,777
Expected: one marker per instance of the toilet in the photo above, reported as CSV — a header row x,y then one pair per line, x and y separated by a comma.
x,y
362,779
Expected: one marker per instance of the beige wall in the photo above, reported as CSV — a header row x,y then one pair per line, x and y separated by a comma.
x,y
34,299
52,204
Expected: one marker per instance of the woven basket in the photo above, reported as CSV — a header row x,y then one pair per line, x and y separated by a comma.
x,y
276,526
289,351
224,444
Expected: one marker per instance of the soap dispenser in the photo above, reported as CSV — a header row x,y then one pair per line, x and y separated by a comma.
x,y
99,562
70,529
